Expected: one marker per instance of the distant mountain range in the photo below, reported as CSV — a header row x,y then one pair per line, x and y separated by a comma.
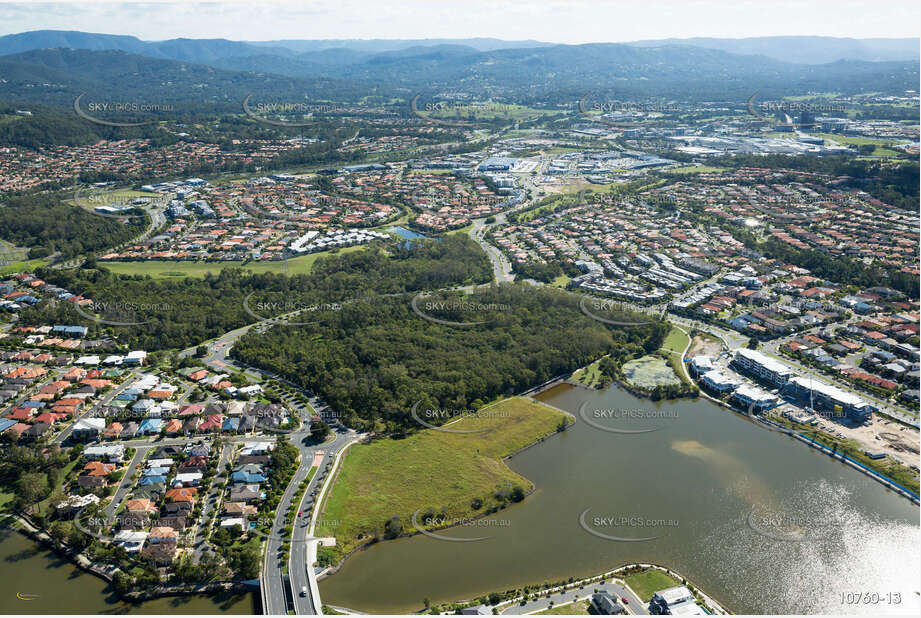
x,y
795,49
54,66
804,49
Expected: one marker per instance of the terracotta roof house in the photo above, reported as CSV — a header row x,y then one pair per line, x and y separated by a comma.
x,y
163,534
113,431
181,494
97,468
140,505
173,426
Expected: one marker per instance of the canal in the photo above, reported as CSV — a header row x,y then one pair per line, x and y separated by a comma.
x,y
54,585
756,519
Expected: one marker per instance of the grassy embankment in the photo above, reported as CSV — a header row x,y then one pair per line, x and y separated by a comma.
x,y
649,582
578,608
431,469
590,375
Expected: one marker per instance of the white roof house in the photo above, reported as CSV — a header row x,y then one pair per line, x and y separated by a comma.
x,y
256,448
188,478
130,540
673,596
687,608
111,452
90,425
136,357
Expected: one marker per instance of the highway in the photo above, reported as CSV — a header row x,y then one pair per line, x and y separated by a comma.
x,y
303,546
273,582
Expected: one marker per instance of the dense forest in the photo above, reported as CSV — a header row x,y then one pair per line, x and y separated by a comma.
x,y
47,226
372,361
161,314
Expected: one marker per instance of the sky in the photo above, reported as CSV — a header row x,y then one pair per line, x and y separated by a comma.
x,y
558,21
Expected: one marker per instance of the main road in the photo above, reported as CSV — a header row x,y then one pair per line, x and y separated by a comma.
x,y
275,590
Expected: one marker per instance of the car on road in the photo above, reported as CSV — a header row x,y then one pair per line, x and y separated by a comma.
x,y
303,591
625,600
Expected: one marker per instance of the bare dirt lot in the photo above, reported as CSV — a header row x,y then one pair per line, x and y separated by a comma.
x,y
704,345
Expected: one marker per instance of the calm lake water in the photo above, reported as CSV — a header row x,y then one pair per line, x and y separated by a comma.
x,y
59,587
404,233
761,522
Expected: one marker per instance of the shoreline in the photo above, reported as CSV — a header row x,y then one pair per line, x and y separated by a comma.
x,y
107,574
333,569
711,604
840,457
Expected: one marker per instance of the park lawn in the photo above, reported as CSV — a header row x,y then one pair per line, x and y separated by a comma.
x,y
432,468
163,269
5,498
590,375
23,266
675,342
649,582
561,282
570,609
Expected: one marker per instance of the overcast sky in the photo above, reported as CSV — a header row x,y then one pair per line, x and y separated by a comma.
x,y
562,21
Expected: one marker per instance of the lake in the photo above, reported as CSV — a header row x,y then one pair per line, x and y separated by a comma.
x,y
760,521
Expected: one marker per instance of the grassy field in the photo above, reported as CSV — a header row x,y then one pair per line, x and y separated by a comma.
x,y
649,582
163,269
5,497
561,282
578,608
589,375
432,469
675,342
90,199
23,266
13,259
